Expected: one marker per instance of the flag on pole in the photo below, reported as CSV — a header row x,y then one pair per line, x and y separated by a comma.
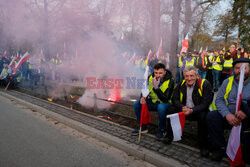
x,y
177,121
5,54
185,44
150,54
206,48
122,36
159,52
200,50
25,57
145,114
133,58
233,147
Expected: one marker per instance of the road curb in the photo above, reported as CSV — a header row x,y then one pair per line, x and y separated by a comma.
x,y
130,148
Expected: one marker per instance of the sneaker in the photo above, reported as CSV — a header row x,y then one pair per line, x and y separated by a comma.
x,y
136,131
161,134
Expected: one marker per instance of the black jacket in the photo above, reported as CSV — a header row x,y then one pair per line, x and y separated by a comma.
x,y
201,103
166,95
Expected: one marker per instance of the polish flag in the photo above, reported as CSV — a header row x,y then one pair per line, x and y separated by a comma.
x,y
200,50
177,121
133,58
159,52
150,54
185,44
25,57
122,36
5,54
233,147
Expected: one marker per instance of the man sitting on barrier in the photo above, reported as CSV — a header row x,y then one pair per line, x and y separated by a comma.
x,y
225,117
192,96
161,85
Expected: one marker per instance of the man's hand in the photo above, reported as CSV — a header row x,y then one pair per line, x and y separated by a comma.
x,y
156,83
240,115
232,120
187,110
143,100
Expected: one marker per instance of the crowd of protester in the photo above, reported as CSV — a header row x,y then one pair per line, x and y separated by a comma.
x,y
198,77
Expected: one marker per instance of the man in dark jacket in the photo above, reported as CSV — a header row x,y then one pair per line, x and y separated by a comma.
x,y
161,85
193,97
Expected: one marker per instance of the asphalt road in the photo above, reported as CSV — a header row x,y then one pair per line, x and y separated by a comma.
x,y
30,140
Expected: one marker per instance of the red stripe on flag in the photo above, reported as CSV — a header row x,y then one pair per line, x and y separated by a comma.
x,y
23,59
182,119
145,115
237,160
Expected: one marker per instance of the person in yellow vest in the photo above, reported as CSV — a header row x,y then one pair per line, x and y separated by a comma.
x,y
161,85
225,116
189,61
193,96
4,74
201,63
217,68
180,58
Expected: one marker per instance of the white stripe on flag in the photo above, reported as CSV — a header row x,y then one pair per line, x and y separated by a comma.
x,y
233,142
176,126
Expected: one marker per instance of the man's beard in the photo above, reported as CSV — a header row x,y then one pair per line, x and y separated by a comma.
x,y
237,76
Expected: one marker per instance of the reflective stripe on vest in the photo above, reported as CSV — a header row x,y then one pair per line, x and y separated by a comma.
x,y
228,89
190,63
228,63
152,94
218,66
197,61
180,63
201,81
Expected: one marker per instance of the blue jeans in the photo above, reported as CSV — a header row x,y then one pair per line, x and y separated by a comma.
x,y
161,108
216,78
202,74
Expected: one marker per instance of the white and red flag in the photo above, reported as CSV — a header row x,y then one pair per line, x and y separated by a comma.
x,y
5,54
133,59
200,50
159,52
122,36
185,44
24,58
145,114
177,121
234,147
150,54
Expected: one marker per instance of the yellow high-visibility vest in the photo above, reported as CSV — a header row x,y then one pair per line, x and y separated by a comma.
x,y
217,66
152,94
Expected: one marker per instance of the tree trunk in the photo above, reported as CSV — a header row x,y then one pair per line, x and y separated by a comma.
x,y
46,31
188,17
156,23
175,32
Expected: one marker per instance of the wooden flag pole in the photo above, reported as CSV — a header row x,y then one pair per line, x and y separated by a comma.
x,y
7,86
139,138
